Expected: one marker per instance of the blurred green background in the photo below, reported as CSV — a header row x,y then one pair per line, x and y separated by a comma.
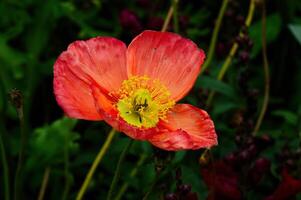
x,y
33,34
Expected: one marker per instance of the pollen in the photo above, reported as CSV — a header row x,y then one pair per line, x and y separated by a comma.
x,y
143,101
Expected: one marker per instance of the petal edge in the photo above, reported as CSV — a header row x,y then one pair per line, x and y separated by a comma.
x,y
186,127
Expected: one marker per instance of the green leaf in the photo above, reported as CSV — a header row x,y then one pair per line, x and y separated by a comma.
x,y
272,31
208,82
11,59
179,156
223,107
288,116
296,31
49,143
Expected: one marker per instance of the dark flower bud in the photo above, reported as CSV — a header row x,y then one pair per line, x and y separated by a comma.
x,y
233,3
244,156
237,118
143,3
263,141
290,164
244,56
250,44
240,40
298,153
191,196
204,159
129,20
239,140
155,23
250,141
184,189
221,49
262,164
171,196
258,2
178,173
231,159
16,98
252,150
183,21
229,13
260,167
240,20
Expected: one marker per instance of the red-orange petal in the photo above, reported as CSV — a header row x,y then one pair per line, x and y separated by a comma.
x,y
174,60
186,127
100,61
72,94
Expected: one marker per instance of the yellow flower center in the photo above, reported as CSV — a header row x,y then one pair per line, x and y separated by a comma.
x,y
143,101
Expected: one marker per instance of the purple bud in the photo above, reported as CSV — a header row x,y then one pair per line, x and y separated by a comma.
x,y
244,56
184,188
240,20
183,21
129,20
229,13
171,196
143,3
155,23
262,164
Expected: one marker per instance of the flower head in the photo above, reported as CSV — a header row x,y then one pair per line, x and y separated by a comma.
x,y
135,89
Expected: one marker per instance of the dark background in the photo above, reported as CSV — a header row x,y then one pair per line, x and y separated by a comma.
x,y
34,33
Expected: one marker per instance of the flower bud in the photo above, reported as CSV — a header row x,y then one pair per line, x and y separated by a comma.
x,y
129,20
16,98
171,196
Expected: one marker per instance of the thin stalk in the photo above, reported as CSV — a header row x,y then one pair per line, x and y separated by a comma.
x,y
232,52
175,16
132,174
215,34
4,164
151,188
167,19
266,71
17,101
44,183
299,122
66,171
117,170
213,168
96,162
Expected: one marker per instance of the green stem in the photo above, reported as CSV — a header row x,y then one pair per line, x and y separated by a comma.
x,y
151,187
4,164
18,181
117,170
66,170
299,124
96,162
232,52
175,16
132,174
44,183
167,19
266,72
215,35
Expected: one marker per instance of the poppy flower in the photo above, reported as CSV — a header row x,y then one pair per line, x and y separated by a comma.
x,y
135,89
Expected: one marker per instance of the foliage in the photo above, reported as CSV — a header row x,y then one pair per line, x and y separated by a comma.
x,y
33,34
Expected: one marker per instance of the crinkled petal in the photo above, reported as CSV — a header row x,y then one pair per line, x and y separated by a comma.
x,y
72,94
186,127
100,61
174,60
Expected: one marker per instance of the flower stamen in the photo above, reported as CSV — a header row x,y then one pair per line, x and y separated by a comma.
x,y
143,101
